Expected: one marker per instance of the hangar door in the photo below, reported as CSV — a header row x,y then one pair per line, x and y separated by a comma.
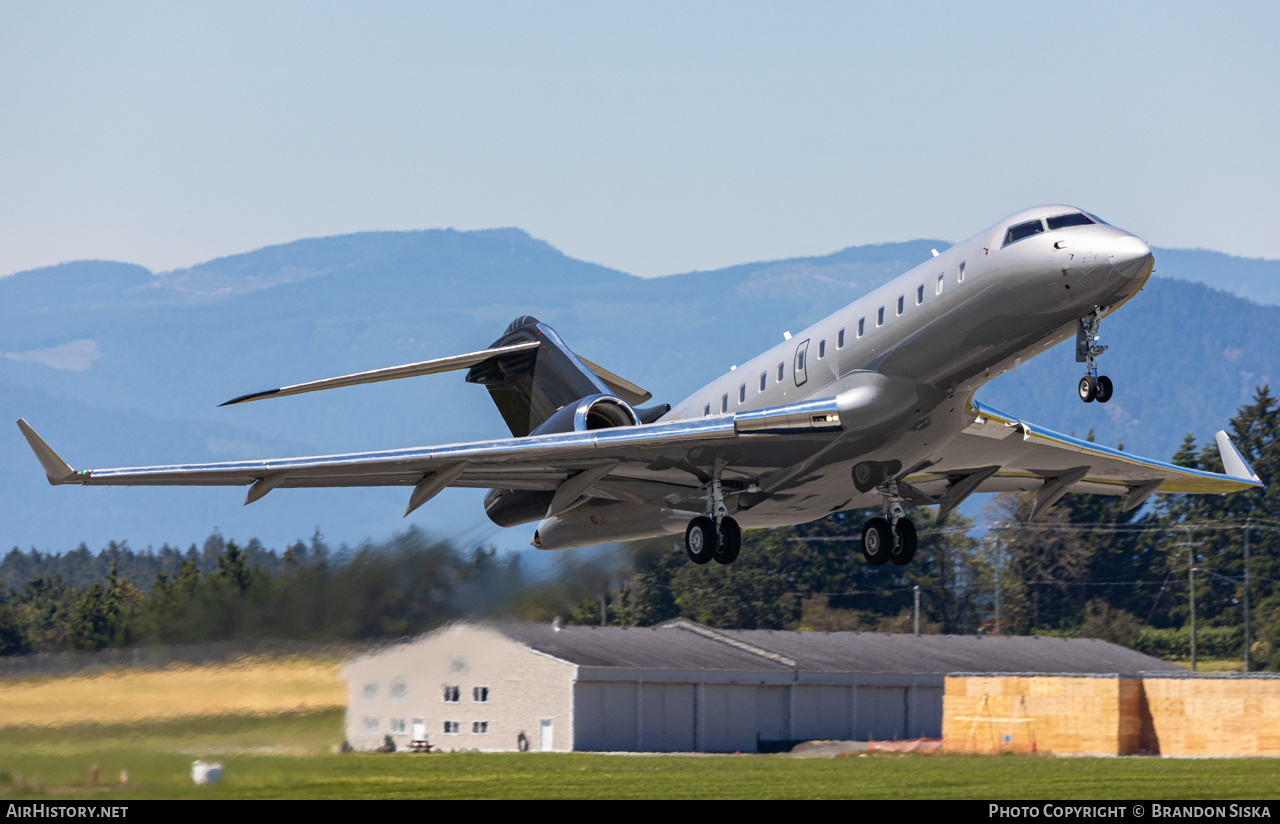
x,y
666,722
882,713
604,717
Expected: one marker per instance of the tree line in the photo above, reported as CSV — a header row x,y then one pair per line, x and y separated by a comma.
x,y
1083,568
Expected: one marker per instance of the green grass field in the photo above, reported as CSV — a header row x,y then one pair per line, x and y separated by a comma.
x,y
290,756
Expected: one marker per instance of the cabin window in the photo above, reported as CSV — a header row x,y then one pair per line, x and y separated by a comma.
x,y
781,367
862,326
822,349
706,410
840,339
880,317
901,300
764,379
742,393
919,294
724,402
937,290
1023,230
960,273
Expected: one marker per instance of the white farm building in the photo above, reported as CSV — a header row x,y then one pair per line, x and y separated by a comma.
x,y
680,686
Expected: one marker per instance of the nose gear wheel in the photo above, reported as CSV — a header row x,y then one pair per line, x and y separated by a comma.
x,y
1093,387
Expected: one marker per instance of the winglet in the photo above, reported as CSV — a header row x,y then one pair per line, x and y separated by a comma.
x,y
55,468
1232,461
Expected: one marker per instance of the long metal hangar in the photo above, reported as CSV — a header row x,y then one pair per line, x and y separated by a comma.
x,y
680,686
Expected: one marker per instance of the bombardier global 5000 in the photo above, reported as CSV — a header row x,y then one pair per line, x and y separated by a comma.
x,y
870,407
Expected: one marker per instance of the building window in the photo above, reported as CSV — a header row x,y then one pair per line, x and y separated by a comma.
x,y
781,367
862,326
764,380
822,349
724,402
937,290
452,695
880,317
397,689
452,727
398,725
840,340
480,694
479,727
900,302
371,724
370,691
919,294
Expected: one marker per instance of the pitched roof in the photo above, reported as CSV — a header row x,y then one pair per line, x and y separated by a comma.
x,y
686,645
637,648
870,652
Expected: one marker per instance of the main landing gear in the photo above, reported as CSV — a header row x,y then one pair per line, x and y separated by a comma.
x,y
715,536
893,537
1092,386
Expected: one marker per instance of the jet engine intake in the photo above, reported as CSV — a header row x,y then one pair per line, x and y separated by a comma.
x,y
592,412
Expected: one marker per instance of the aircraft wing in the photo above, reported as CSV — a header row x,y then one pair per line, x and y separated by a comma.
x,y
644,463
1000,453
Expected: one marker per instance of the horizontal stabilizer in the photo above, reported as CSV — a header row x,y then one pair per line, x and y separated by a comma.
x,y
1232,461
54,467
624,388
408,370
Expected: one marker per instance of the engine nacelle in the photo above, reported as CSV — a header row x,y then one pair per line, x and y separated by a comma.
x,y
512,507
592,412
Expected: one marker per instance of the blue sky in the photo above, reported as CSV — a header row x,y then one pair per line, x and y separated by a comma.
x,y
651,137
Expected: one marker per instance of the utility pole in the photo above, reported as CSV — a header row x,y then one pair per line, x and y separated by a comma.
x,y
1246,595
999,570
1192,575
916,591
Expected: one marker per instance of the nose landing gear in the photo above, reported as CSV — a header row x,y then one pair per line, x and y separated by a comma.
x,y
1092,387
893,537
714,536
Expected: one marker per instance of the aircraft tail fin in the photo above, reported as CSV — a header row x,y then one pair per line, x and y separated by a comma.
x,y
530,386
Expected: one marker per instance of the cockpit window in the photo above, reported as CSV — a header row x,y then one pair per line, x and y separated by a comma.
x,y
1063,221
1031,227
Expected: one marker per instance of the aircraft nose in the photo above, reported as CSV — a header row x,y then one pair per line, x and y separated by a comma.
x,y
1131,257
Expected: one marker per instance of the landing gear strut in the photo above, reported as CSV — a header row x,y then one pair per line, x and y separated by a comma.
x,y
1092,386
714,536
893,537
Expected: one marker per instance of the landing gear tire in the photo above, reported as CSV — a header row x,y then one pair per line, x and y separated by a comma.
x,y
726,551
1104,389
904,543
1088,389
877,541
700,539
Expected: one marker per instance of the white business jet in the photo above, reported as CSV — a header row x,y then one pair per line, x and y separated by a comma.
x,y
871,406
